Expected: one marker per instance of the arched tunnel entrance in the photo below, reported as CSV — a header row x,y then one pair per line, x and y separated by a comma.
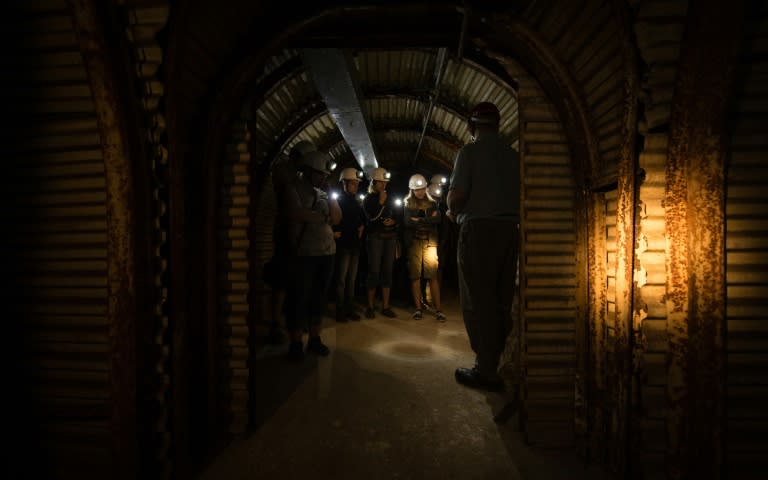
x,y
413,96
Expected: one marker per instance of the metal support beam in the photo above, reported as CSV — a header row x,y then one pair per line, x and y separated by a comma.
x,y
432,99
335,78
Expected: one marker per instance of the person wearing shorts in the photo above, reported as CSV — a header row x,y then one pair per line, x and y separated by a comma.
x,y
421,218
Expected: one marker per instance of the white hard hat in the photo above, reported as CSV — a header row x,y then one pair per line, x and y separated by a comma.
x,y
417,181
439,180
351,174
380,174
317,161
434,190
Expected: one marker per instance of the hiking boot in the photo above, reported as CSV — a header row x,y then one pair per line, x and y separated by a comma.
x,y
352,315
417,314
440,316
369,313
472,377
387,312
315,345
340,316
296,351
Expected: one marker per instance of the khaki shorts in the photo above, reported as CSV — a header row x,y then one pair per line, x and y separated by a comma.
x,y
422,260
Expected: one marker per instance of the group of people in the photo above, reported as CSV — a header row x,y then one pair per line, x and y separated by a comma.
x,y
419,222
318,234
319,238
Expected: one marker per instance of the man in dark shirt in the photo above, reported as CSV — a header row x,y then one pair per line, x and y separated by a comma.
x,y
484,198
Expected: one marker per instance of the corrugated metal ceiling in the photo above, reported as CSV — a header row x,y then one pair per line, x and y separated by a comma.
x,y
397,85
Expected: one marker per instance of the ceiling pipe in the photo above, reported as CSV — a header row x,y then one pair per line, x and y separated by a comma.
x,y
335,77
441,53
439,73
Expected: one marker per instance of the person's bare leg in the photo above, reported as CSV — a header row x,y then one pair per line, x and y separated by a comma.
x,y
385,297
416,293
371,295
434,289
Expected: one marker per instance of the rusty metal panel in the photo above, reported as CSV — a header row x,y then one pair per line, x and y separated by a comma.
x,y
658,28
747,259
695,219
651,339
548,273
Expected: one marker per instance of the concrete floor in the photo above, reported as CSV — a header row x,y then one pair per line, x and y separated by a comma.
x,y
383,405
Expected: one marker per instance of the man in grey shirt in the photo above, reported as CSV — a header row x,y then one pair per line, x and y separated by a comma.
x,y
484,199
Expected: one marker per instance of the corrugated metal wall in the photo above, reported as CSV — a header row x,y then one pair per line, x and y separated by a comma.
x,y
649,401
144,23
58,228
548,271
747,257
659,29
584,33
233,271
607,376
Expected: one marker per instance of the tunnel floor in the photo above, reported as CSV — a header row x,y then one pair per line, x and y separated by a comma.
x,y
383,405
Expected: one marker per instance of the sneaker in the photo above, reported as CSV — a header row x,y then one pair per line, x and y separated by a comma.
x,y
353,316
296,351
417,314
440,316
315,345
472,377
369,313
387,312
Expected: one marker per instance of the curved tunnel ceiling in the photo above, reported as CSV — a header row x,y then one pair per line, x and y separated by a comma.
x,y
396,86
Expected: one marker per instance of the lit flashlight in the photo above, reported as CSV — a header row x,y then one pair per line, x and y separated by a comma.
x,y
398,202
335,195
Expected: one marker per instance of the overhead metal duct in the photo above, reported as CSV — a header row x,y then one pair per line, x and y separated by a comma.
x,y
335,77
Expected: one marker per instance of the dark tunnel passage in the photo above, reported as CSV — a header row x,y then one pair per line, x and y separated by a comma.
x,y
139,190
